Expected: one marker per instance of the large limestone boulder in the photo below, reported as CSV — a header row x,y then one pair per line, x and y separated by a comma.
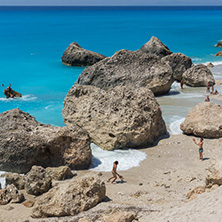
x,y
156,47
115,118
75,55
179,64
37,181
198,75
214,175
24,142
70,198
219,44
204,120
129,68
10,194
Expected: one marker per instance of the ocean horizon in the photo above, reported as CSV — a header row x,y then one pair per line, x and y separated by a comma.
x,y
33,39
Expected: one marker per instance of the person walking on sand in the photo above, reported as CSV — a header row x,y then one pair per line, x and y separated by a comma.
x,y
200,144
115,174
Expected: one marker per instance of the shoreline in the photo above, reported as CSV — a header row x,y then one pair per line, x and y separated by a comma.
x,y
161,182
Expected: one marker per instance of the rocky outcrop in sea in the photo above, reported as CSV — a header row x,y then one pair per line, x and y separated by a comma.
x,y
179,64
129,68
198,76
75,55
117,117
155,47
219,44
24,142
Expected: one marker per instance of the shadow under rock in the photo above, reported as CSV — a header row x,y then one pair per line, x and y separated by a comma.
x,y
95,162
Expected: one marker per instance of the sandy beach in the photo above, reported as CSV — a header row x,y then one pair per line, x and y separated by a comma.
x,y
158,186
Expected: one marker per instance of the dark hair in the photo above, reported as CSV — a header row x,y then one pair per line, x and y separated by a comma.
x,y
201,138
116,162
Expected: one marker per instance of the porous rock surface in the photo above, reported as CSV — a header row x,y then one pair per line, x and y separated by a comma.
x,y
37,181
115,118
204,120
10,194
59,173
14,178
214,175
198,75
129,68
70,197
24,142
179,64
75,55
155,47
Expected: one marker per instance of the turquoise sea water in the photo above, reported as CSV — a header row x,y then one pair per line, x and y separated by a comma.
x,y
33,39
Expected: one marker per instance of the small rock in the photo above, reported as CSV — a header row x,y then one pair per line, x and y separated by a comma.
x,y
28,203
140,184
219,53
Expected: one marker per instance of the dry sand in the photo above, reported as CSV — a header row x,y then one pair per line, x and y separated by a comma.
x,y
158,186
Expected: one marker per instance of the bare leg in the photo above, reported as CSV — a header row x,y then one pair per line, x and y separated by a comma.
x,y
115,177
201,156
110,178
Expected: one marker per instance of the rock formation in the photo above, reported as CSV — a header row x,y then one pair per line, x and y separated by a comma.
x,y
10,194
197,76
214,175
219,53
204,120
70,197
179,64
219,44
210,65
37,181
116,118
15,179
59,173
156,47
24,142
75,55
129,68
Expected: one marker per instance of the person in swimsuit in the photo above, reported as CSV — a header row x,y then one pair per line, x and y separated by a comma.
x,y
200,144
115,174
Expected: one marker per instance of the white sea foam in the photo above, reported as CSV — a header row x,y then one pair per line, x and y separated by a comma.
x,y
103,160
215,63
23,98
2,179
175,126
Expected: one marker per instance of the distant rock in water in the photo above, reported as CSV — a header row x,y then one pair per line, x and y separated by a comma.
x,y
204,120
13,92
219,44
156,47
24,142
75,55
129,68
210,65
179,64
219,53
198,75
117,118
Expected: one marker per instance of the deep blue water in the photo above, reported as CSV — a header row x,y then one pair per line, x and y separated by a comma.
x,y
33,39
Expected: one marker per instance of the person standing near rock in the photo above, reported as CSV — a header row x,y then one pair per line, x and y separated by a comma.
x,y
200,144
114,172
181,84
